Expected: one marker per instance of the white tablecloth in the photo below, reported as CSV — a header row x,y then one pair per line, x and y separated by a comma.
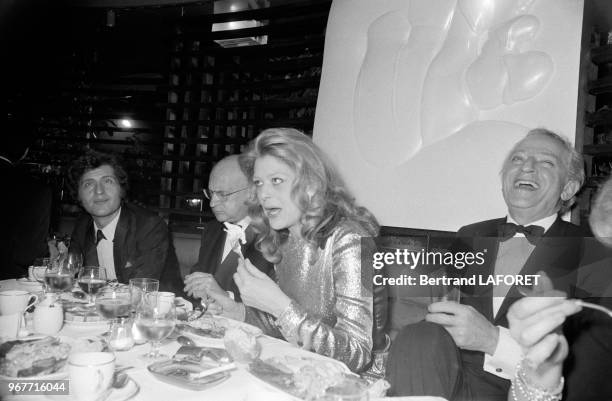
x,y
240,386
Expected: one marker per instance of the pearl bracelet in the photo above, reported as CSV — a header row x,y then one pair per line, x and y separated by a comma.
x,y
529,392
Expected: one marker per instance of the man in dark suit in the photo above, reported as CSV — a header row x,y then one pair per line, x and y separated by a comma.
x,y
469,353
127,240
24,224
227,238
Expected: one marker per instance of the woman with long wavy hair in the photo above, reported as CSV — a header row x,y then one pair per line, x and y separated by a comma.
x,y
309,226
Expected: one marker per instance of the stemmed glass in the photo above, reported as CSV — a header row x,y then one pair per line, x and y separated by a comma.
x,y
155,319
91,279
74,260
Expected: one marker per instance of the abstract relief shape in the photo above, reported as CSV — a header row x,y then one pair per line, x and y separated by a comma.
x,y
504,73
528,74
400,47
471,72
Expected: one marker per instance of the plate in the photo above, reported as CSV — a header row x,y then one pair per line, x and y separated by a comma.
x,y
128,392
176,373
305,377
101,324
208,322
81,344
60,374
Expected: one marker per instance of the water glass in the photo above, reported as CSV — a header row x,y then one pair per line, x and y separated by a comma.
x,y
139,287
155,319
113,301
38,269
59,276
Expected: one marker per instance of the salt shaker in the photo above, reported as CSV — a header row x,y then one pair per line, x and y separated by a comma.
x,y
120,338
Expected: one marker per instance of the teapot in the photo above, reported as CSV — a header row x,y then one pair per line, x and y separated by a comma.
x,y
48,317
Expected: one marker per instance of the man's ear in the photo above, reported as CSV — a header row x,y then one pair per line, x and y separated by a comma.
x,y
569,190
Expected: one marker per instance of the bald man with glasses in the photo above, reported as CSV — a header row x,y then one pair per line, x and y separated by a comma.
x,y
227,238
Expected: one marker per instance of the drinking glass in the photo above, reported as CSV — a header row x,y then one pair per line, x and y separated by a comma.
x,y
91,279
113,301
58,276
38,269
155,319
141,286
74,260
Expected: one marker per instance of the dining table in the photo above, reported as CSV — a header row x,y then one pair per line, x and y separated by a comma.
x,y
241,384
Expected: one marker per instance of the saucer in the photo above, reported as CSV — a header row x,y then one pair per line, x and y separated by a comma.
x,y
30,284
128,392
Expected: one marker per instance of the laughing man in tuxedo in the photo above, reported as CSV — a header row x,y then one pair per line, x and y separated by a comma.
x,y
225,237
127,240
463,351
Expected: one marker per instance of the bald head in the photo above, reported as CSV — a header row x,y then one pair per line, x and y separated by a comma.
x,y
229,189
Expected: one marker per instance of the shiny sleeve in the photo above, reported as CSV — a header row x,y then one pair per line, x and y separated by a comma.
x,y
349,340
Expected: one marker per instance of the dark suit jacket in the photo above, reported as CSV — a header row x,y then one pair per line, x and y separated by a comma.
x,y
211,251
558,253
589,333
24,224
142,247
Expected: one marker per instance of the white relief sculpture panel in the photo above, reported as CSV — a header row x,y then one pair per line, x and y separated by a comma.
x,y
402,78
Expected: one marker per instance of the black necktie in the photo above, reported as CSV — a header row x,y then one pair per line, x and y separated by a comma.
x,y
99,236
532,233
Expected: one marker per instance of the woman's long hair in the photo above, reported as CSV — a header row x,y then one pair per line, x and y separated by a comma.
x,y
318,191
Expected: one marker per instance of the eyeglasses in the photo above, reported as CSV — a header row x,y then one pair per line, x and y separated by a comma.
x,y
221,195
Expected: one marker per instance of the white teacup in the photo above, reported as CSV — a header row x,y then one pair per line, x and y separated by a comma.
x,y
10,325
91,373
16,301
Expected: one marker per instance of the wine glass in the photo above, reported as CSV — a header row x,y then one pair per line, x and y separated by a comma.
x,y
113,301
74,260
155,320
91,279
58,276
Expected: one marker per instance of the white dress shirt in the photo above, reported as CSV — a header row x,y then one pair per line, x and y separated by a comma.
x,y
106,258
234,235
508,352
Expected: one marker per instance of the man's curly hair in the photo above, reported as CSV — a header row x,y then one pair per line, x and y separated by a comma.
x,y
92,160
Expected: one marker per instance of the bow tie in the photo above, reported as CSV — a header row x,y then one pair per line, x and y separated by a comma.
x,y
235,233
509,230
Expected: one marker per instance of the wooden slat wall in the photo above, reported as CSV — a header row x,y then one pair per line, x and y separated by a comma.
x,y
191,101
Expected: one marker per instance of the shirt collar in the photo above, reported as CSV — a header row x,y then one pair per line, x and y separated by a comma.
x,y
109,229
244,223
545,223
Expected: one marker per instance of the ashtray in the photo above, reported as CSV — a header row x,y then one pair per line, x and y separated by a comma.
x,y
178,373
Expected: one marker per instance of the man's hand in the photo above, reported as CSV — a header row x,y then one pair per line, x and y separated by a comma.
x,y
535,323
203,285
470,330
258,290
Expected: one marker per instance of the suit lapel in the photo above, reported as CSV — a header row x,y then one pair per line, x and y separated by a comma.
x,y
90,251
120,246
487,240
211,248
546,256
